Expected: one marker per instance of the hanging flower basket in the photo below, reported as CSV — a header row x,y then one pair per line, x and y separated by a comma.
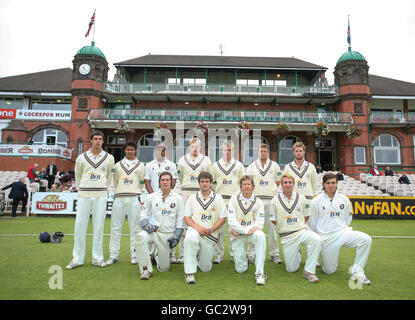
x,y
122,126
243,125
160,128
353,132
322,129
201,128
283,128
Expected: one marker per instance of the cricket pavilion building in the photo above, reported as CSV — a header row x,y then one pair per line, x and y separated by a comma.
x,y
359,121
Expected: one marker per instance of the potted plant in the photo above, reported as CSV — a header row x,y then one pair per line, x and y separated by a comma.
x,y
159,128
353,132
122,126
243,125
201,128
283,128
322,129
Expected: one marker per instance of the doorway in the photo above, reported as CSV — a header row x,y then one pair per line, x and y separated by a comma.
x,y
325,159
116,152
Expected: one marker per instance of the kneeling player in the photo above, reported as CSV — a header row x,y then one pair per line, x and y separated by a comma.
x,y
205,212
246,221
162,223
289,211
331,215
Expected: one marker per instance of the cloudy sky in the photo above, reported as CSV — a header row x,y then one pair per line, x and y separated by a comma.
x,y
45,35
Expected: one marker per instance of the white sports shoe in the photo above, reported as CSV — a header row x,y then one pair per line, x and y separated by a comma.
x,y
361,279
276,259
217,261
180,260
145,275
100,264
260,279
173,258
73,265
310,277
190,278
111,261
134,260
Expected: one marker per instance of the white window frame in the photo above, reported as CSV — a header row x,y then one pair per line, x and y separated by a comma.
x,y
364,155
386,148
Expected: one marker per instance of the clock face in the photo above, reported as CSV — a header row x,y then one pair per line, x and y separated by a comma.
x,y
84,69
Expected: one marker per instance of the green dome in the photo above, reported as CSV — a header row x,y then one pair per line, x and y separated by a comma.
x,y
351,55
91,50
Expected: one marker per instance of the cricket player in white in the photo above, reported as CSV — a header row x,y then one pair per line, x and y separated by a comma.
x,y
128,182
266,174
205,212
151,178
227,172
331,215
246,221
289,211
156,167
162,223
93,176
188,169
304,172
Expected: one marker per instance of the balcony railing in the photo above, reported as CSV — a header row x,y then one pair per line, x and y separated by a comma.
x,y
161,88
392,118
221,115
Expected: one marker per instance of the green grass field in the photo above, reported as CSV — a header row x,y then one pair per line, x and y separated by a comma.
x,y
25,263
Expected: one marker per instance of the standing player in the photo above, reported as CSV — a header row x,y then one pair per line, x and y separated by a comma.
x,y
162,223
227,172
128,182
93,176
189,167
331,215
290,212
156,167
304,172
266,174
205,212
246,221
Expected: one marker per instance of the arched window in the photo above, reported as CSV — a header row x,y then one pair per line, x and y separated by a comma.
x,y
387,150
286,149
51,136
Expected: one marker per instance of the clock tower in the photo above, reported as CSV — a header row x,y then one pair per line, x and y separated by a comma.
x,y
90,70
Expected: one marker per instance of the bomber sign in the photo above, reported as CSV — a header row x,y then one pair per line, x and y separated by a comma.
x,y
383,207
35,151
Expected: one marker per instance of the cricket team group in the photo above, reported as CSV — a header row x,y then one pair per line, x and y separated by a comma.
x,y
286,202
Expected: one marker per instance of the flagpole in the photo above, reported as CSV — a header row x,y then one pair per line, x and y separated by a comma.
x,y
95,21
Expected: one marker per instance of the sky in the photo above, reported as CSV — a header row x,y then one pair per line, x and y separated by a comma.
x,y
45,35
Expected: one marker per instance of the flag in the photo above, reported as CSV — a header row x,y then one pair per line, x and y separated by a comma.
x,y
348,32
91,23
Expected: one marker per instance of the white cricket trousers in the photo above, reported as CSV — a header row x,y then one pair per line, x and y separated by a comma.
x,y
122,207
143,239
292,256
330,250
272,233
194,243
86,207
219,248
239,244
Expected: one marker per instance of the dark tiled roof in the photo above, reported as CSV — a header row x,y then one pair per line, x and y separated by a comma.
x,y
220,61
390,87
58,80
